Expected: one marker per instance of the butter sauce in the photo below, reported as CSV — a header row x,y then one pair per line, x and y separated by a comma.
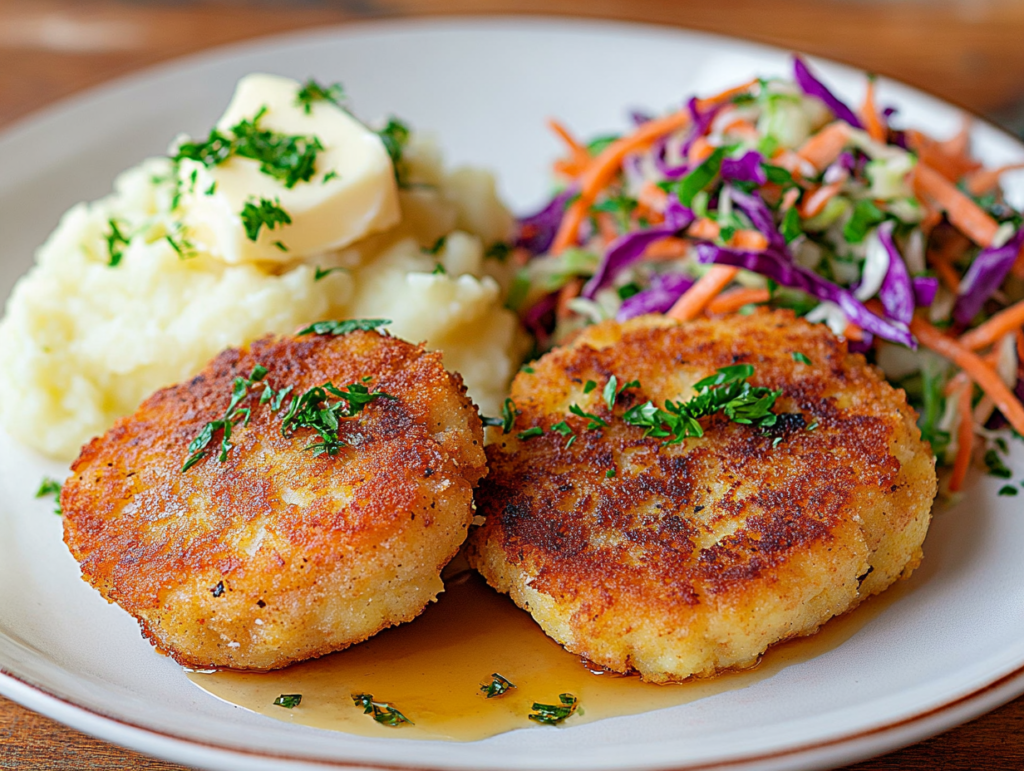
x,y
432,671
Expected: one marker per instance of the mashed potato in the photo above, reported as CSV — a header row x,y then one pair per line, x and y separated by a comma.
x,y
84,342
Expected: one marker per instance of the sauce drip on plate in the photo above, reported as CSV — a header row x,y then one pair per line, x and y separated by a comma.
x,y
433,668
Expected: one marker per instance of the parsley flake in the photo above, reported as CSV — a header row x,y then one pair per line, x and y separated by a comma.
x,y
266,212
288,700
1008,490
395,136
609,474
530,433
553,714
312,92
589,386
497,686
382,712
800,357
232,416
594,423
313,409
47,487
995,465
343,327
727,391
116,242
612,392
507,419
329,176
564,429
322,273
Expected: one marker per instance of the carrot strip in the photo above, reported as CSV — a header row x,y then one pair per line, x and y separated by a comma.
x,y
948,274
699,150
724,96
1003,323
965,214
749,240
937,155
603,168
986,180
734,299
825,146
816,202
976,369
789,198
869,113
570,141
606,227
667,249
704,228
742,128
565,294
696,298
853,332
965,438
1020,348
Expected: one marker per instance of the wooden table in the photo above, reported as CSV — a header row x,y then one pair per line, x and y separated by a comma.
x,y
969,53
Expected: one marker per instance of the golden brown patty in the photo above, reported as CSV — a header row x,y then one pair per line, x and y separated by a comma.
x,y
696,557
276,554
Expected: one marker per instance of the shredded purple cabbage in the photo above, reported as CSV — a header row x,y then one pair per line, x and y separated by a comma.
x,y
840,168
925,288
811,86
985,276
668,172
659,297
628,248
784,271
747,168
896,292
760,216
536,232
701,122
533,319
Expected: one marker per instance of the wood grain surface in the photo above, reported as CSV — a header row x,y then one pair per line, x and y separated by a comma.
x,y
971,53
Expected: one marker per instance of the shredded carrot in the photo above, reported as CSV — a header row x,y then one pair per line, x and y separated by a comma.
x,y
699,150
603,168
985,181
742,128
667,249
965,214
574,146
815,203
964,436
696,298
724,96
704,228
652,196
749,240
947,273
824,147
734,299
569,168
1003,323
957,145
941,156
869,114
606,227
565,294
853,332
789,198
976,369
1018,267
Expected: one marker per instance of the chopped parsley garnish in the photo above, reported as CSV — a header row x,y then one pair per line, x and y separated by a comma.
x,y
800,357
180,244
312,92
314,410
437,246
332,174
727,391
551,714
564,429
287,158
280,246
507,419
595,421
288,700
612,391
609,473
343,327
1008,490
497,686
995,465
233,414
52,487
589,386
866,215
395,136
116,242
499,250
266,212
382,712
324,272
530,433
439,270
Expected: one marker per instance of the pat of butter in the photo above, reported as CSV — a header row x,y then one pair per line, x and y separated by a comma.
x,y
352,194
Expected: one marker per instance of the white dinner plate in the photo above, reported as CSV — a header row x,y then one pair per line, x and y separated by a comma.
x,y
950,648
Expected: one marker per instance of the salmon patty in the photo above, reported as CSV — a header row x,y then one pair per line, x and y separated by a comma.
x,y
674,560
297,534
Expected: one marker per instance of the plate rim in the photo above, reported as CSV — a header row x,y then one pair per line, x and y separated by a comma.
x,y
841,749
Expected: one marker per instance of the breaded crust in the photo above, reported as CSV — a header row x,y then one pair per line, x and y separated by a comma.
x,y
278,555
696,557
